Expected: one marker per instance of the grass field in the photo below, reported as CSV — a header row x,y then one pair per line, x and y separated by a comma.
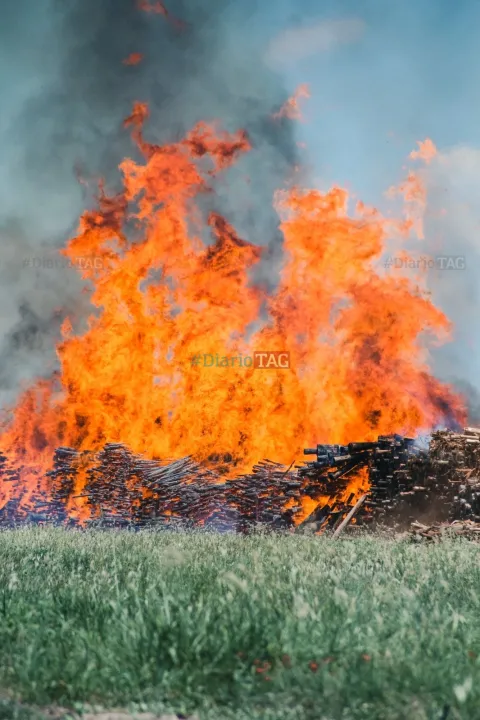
x,y
233,627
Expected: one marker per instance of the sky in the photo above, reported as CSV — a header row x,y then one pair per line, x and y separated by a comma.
x,y
408,71
381,75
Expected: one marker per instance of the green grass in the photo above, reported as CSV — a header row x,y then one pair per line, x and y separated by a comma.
x,y
366,628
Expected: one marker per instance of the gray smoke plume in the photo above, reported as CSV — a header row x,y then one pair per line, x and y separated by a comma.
x,y
66,91
453,248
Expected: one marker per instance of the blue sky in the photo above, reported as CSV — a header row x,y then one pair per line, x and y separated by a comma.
x,y
414,72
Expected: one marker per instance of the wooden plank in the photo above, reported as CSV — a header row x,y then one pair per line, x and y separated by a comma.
x,y
350,515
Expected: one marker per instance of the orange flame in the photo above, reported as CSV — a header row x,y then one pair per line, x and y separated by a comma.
x,y
358,365
158,8
426,151
291,108
133,59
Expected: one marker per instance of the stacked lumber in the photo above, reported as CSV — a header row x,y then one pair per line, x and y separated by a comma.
x,y
406,481
441,482
455,457
434,533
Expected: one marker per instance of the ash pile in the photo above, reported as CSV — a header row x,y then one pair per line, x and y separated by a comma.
x,y
404,480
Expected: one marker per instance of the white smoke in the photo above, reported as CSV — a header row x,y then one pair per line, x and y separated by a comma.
x,y
452,229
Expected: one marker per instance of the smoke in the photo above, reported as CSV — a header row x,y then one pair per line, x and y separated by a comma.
x,y
453,232
307,41
67,96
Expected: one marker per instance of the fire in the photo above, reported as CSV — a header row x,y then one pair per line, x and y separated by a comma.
x,y
291,108
158,8
133,59
426,151
358,368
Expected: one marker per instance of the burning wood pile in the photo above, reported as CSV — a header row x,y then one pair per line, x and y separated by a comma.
x,y
140,371
436,480
119,489
403,480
